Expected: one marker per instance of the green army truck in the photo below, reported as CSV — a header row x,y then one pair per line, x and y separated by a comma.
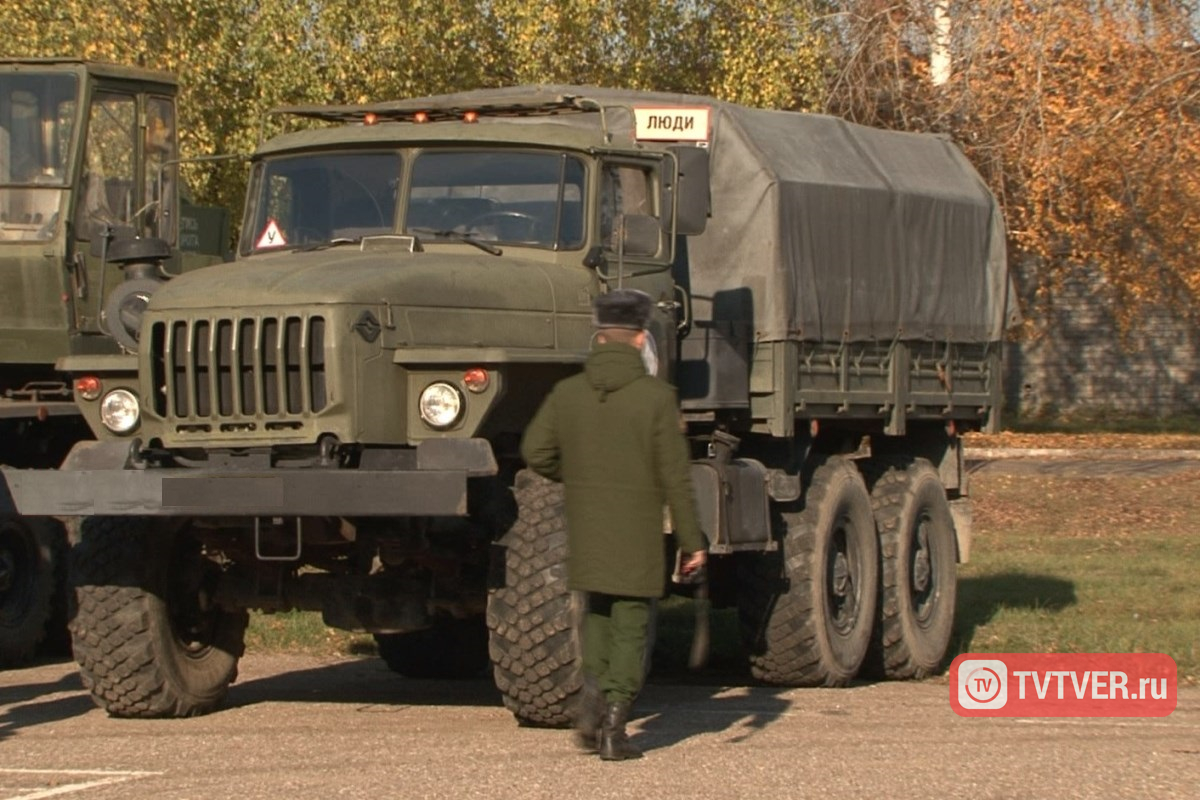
x,y
332,421
87,194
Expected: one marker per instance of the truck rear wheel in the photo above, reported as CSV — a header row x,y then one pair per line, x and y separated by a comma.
x,y
806,611
916,537
533,642
451,648
147,636
32,561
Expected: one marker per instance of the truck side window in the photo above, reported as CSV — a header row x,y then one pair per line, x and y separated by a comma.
x,y
624,189
37,120
109,184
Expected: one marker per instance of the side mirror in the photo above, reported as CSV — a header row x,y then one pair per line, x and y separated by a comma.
x,y
692,192
641,235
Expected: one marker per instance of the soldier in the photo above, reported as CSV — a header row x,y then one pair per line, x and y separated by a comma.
x,y
611,435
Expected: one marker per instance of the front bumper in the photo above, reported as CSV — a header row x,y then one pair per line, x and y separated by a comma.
x,y
99,487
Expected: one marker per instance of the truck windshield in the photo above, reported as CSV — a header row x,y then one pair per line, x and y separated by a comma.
x,y
498,196
322,197
37,128
532,199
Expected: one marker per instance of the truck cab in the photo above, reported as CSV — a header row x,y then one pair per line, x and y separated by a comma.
x,y
87,156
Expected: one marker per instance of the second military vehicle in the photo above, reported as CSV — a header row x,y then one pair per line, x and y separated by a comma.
x,y
87,155
331,422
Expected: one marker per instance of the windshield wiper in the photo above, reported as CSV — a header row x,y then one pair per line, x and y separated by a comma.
x,y
459,236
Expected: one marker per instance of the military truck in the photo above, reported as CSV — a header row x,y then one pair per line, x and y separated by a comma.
x,y
332,421
86,179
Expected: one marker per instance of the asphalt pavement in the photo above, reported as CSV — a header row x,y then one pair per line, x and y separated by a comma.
x,y
302,727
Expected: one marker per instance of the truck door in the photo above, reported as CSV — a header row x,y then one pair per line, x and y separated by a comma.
x,y
122,189
108,195
37,129
629,195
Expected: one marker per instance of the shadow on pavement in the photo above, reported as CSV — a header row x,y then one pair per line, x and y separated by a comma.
x,y
12,692
362,682
981,598
25,709
701,711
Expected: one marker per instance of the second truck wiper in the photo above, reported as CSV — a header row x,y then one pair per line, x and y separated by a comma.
x,y
459,236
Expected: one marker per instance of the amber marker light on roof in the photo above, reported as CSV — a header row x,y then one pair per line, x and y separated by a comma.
x,y
370,118
471,116
476,379
420,116
88,387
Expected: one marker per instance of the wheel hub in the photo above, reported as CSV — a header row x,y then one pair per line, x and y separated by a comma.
x,y
7,570
841,576
194,618
842,600
922,568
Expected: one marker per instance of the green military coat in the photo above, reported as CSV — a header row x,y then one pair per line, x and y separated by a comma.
x,y
611,435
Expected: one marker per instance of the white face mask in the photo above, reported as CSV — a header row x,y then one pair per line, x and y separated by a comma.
x,y
650,353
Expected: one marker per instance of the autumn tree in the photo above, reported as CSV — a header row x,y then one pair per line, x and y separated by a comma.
x,y
1084,118
238,58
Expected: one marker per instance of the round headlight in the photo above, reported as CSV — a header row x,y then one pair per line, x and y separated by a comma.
x,y
119,411
440,405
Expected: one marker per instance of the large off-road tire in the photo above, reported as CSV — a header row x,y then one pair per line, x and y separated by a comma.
x,y
147,637
33,553
453,649
533,639
806,611
919,556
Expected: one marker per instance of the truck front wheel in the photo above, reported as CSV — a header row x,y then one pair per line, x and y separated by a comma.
x,y
148,637
533,640
916,536
806,611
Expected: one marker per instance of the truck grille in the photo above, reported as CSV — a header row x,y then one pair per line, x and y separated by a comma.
x,y
239,370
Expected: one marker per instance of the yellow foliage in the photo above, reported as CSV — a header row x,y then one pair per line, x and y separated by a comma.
x,y
1085,119
238,58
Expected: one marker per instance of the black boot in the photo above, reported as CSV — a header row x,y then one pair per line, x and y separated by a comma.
x,y
589,714
614,744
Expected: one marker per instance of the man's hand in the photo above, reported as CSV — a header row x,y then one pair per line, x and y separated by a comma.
x,y
693,562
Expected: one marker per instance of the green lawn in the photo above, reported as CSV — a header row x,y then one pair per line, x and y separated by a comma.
x,y
1075,565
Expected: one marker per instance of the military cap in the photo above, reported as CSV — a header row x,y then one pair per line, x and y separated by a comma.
x,y
623,308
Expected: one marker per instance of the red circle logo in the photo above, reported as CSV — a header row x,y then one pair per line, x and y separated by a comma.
x,y
973,678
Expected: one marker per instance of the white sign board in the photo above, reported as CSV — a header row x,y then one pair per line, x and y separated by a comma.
x,y
671,124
